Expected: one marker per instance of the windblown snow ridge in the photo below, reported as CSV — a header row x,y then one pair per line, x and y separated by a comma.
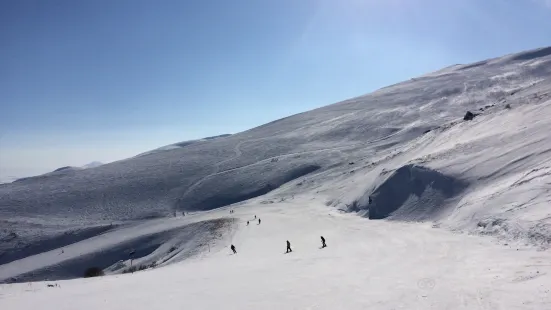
x,y
411,193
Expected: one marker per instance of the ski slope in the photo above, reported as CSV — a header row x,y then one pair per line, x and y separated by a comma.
x,y
374,265
421,209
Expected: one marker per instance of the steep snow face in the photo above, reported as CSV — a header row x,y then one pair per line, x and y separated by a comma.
x,y
411,193
487,175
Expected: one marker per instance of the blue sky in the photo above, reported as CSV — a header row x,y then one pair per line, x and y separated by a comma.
x,y
103,80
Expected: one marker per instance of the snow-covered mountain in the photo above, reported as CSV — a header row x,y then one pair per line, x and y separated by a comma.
x,y
409,152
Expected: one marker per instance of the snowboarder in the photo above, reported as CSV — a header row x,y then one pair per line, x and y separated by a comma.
x,y
323,245
255,217
233,249
258,221
288,247
247,223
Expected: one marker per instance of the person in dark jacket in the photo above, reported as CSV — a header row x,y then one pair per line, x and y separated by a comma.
x,y
288,247
323,245
258,221
233,249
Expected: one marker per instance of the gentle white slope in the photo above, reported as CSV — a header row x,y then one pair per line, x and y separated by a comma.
x,y
367,265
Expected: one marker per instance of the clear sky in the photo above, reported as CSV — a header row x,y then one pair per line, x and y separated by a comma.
x,y
103,80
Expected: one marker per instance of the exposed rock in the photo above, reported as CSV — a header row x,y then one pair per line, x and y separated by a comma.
x,y
469,116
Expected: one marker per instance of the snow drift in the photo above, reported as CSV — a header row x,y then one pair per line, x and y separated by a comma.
x,y
410,193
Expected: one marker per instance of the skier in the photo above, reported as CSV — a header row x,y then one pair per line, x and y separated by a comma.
x,y
255,217
233,249
323,245
247,223
288,247
258,221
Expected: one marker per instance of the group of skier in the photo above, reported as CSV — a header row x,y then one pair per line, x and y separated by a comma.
x,y
232,247
323,245
255,219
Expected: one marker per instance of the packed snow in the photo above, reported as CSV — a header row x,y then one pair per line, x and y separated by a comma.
x,y
421,208
374,265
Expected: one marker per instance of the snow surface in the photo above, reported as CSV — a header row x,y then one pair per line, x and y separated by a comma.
x,y
373,265
460,209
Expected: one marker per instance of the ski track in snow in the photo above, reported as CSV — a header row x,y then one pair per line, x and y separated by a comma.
x,y
237,150
238,153
216,168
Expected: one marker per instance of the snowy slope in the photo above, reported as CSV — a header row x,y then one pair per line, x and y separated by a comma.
x,y
181,145
402,153
182,178
374,265
67,170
